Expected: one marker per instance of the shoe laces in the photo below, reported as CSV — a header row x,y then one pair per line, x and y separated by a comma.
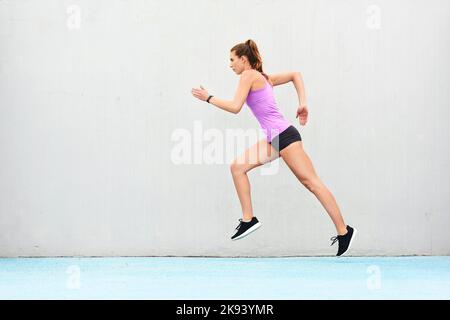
x,y
334,239
240,223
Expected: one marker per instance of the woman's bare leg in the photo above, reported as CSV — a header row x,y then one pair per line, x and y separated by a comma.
x,y
300,164
257,155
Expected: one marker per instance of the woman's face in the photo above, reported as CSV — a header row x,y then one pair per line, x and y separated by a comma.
x,y
236,63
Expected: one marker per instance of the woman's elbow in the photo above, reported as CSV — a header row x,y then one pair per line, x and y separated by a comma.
x,y
236,110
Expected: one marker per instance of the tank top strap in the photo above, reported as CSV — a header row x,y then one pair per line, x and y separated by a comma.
x,y
266,80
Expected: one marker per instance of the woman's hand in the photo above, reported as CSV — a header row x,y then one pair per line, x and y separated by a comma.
x,y
201,93
302,112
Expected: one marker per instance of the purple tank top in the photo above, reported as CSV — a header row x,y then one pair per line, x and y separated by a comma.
x,y
262,104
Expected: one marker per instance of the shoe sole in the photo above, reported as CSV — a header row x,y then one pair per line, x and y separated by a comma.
x,y
246,233
350,244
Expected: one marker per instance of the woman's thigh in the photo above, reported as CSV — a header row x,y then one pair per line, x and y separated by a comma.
x,y
258,154
299,162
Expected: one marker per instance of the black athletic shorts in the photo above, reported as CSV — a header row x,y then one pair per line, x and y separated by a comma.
x,y
285,138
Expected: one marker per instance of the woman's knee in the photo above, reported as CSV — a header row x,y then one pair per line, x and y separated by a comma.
x,y
312,183
236,168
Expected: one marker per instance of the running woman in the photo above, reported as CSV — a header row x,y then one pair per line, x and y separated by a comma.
x,y
282,139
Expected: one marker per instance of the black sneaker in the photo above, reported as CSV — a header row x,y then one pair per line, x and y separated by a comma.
x,y
345,241
245,228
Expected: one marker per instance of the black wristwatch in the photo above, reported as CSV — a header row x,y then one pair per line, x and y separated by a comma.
x,y
207,100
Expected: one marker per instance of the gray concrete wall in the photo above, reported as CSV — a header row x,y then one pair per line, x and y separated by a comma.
x,y
94,95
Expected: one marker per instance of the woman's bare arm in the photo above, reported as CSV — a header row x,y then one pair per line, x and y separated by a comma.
x,y
281,78
296,78
300,87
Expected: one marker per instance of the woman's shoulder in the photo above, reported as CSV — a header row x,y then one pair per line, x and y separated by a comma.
x,y
267,77
258,78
